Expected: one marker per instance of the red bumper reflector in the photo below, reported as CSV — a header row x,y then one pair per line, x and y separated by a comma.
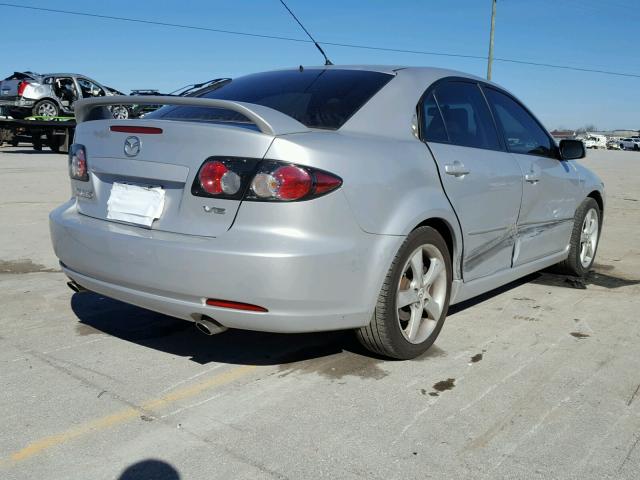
x,y
235,305
135,129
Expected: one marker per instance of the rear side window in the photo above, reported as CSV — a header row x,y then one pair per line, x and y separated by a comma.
x,y
466,115
522,132
317,98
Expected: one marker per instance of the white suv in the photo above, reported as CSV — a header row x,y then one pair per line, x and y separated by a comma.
x,y
631,143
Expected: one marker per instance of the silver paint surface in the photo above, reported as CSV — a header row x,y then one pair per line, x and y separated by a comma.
x,y
319,264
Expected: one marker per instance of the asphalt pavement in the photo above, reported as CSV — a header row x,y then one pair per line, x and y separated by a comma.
x,y
539,379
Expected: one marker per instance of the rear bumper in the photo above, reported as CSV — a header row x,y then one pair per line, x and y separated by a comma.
x,y
17,103
307,283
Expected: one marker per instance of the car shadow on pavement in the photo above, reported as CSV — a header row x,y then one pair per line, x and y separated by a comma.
x,y
102,315
552,278
594,277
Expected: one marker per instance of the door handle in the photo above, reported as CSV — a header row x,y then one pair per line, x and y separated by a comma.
x,y
457,169
532,177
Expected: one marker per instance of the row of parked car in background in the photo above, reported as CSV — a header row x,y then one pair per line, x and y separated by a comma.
x,y
52,95
596,141
631,143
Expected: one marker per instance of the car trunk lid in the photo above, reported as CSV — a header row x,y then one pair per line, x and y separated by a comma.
x,y
169,158
10,86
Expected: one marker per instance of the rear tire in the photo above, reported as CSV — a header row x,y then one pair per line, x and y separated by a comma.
x,y
46,108
411,306
585,239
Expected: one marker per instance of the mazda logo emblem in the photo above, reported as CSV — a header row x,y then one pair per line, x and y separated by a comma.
x,y
132,146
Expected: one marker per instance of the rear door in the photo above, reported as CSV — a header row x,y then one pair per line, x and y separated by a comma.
x,y
483,181
551,186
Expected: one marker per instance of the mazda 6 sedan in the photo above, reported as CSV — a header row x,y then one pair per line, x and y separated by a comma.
x,y
324,198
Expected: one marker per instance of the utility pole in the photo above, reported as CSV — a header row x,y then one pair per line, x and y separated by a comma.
x,y
493,26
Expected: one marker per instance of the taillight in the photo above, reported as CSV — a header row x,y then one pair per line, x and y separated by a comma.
x,y
216,178
21,86
224,177
78,169
255,180
284,183
278,181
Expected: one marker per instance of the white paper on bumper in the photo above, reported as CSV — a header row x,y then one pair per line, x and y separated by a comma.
x,y
135,204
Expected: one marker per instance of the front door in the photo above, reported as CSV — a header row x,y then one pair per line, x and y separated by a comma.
x,y
550,189
482,180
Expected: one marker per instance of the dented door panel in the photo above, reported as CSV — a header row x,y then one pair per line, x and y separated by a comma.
x,y
551,190
487,202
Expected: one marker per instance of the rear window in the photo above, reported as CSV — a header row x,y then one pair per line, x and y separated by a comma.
x,y
317,98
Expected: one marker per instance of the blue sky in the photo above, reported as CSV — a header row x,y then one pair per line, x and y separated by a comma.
x,y
599,34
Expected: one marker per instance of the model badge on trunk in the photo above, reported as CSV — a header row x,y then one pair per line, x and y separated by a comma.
x,y
219,211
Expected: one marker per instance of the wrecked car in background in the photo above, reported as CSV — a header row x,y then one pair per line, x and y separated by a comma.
x,y
25,94
193,89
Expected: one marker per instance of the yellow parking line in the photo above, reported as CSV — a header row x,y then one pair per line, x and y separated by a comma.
x,y
122,416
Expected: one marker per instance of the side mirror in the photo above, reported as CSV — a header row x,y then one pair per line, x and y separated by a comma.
x,y
572,149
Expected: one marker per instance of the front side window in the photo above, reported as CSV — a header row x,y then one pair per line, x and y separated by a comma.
x,y
90,89
466,115
522,132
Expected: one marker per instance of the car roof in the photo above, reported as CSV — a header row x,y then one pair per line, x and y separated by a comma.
x,y
394,69
63,75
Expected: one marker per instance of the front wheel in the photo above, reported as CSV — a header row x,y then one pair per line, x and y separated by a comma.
x,y
414,298
584,238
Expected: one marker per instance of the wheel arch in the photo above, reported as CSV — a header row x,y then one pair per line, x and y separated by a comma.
x,y
444,228
597,196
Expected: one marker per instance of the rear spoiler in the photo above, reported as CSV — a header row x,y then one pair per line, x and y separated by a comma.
x,y
268,120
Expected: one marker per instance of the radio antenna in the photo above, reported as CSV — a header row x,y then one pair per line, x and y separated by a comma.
x,y
326,59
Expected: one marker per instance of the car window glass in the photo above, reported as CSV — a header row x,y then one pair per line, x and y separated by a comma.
x,y
522,132
317,98
466,115
90,89
432,124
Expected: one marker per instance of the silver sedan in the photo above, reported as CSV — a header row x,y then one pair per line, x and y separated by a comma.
x,y
341,197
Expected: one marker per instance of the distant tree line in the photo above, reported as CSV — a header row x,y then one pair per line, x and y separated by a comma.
x,y
589,127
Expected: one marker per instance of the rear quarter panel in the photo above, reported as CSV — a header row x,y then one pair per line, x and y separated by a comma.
x,y
391,185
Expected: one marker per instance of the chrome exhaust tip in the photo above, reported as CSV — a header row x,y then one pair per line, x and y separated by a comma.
x,y
209,326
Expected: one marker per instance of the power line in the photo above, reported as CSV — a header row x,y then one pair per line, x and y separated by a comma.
x,y
335,44
152,22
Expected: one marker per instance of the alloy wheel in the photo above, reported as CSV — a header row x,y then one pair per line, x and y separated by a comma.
x,y
421,293
47,110
589,237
